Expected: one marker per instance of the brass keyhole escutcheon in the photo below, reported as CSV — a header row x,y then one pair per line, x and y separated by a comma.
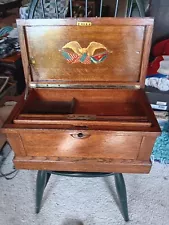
x,y
80,135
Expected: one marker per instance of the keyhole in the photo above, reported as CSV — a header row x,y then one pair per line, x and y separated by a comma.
x,y
80,135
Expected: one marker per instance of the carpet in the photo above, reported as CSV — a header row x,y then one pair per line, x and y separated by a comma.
x,y
161,147
84,201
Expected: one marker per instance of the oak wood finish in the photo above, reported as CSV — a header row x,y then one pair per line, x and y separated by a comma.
x,y
83,165
51,65
36,42
96,117
71,144
16,144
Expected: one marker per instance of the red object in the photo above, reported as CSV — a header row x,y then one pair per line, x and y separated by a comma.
x,y
161,48
158,51
154,66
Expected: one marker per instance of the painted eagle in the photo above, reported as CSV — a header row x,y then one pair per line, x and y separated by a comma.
x,y
84,55
92,47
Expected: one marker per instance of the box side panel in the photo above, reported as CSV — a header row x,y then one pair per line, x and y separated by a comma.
x,y
15,141
146,147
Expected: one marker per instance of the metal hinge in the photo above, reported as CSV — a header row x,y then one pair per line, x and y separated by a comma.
x,y
33,85
32,62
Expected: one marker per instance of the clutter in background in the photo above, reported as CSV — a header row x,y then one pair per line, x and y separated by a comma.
x,y
3,82
157,80
4,31
161,147
157,89
160,83
158,70
162,118
9,43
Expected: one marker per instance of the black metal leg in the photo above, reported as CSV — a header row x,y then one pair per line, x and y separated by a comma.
x,y
44,176
48,177
140,6
121,190
41,182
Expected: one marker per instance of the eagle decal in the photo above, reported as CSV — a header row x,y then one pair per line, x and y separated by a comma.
x,y
74,53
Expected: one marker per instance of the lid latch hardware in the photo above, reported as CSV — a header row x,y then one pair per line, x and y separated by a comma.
x,y
84,24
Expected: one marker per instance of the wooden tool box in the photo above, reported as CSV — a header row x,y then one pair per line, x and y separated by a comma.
x,y
84,108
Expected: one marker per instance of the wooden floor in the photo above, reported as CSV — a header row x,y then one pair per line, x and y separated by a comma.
x,y
10,19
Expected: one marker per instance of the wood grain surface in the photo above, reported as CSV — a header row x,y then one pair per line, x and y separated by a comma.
x,y
71,144
95,119
84,165
127,42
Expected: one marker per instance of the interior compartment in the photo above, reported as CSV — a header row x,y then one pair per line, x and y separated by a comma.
x,y
99,102
40,106
113,107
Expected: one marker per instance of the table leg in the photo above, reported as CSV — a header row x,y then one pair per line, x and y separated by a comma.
x,y
48,177
121,190
44,176
41,182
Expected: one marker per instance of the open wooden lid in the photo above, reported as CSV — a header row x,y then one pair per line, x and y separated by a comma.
x,y
86,51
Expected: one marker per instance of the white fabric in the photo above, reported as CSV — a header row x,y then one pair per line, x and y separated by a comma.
x,y
161,83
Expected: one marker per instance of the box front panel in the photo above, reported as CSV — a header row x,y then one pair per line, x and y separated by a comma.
x,y
81,144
